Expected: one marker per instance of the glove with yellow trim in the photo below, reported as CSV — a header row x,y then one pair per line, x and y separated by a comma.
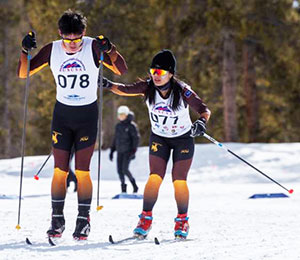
x,y
29,42
103,43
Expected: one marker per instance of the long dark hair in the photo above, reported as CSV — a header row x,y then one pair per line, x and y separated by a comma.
x,y
176,90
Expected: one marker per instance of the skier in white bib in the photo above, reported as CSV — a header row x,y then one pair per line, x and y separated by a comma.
x,y
168,100
74,62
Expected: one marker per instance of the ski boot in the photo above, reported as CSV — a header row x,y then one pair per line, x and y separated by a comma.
x,y
181,226
57,226
124,188
82,229
144,225
135,187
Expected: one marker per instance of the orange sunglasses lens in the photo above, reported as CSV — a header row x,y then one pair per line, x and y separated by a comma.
x,y
158,72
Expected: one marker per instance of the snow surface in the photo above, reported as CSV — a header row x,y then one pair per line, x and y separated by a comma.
x,y
224,223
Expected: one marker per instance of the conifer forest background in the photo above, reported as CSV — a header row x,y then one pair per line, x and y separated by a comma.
x,y
242,57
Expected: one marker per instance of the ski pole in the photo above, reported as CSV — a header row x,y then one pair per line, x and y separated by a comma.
x,y
100,126
37,175
23,136
243,160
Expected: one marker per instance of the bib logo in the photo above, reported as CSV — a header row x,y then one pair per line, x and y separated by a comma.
x,y
161,109
72,65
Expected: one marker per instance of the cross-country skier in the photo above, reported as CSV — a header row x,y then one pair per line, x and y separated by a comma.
x,y
125,142
74,61
168,100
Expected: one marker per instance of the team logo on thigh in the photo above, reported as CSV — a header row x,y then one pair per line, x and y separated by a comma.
x,y
54,137
185,151
84,139
154,146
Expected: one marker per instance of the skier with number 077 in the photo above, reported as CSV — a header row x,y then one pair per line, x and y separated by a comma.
x,y
74,62
168,100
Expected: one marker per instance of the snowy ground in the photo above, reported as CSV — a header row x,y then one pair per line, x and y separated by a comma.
x,y
224,223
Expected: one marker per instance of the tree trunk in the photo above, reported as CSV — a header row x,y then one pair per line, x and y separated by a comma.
x,y
6,95
229,88
250,90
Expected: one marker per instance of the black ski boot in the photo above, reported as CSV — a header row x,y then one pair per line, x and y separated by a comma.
x,y
124,188
82,229
57,226
135,187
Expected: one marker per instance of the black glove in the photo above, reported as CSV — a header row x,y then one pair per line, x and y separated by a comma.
x,y
198,127
106,83
29,42
132,154
111,155
103,43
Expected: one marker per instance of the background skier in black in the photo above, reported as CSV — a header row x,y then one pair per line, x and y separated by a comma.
x,y
125,142
71,176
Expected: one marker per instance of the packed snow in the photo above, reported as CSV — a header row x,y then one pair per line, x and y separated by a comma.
x,y
224,222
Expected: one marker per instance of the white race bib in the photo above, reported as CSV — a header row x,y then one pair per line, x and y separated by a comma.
x,y
76,75
165,121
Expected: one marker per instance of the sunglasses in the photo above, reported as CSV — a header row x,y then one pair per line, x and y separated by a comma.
x,y
77,40
158,72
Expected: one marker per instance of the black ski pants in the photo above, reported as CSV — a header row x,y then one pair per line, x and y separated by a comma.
x,y
123,160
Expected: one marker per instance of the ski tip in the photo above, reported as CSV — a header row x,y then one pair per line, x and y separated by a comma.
x,y
28,242
156,241
111,239
51,241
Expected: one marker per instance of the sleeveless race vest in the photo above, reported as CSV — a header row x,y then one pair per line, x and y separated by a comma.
x,y
76,75
165,121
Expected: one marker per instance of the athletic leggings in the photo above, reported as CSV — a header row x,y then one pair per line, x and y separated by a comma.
x,y
123,160
73,126
160,150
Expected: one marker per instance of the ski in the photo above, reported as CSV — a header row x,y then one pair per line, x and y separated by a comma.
x,y
135,237
28,242
175,240
51,242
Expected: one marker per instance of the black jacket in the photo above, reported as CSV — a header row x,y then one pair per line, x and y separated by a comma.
x,y
126,138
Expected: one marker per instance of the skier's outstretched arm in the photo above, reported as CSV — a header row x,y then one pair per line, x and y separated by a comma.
x,y
135,89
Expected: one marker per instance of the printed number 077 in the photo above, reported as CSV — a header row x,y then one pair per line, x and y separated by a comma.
x,y
155,118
